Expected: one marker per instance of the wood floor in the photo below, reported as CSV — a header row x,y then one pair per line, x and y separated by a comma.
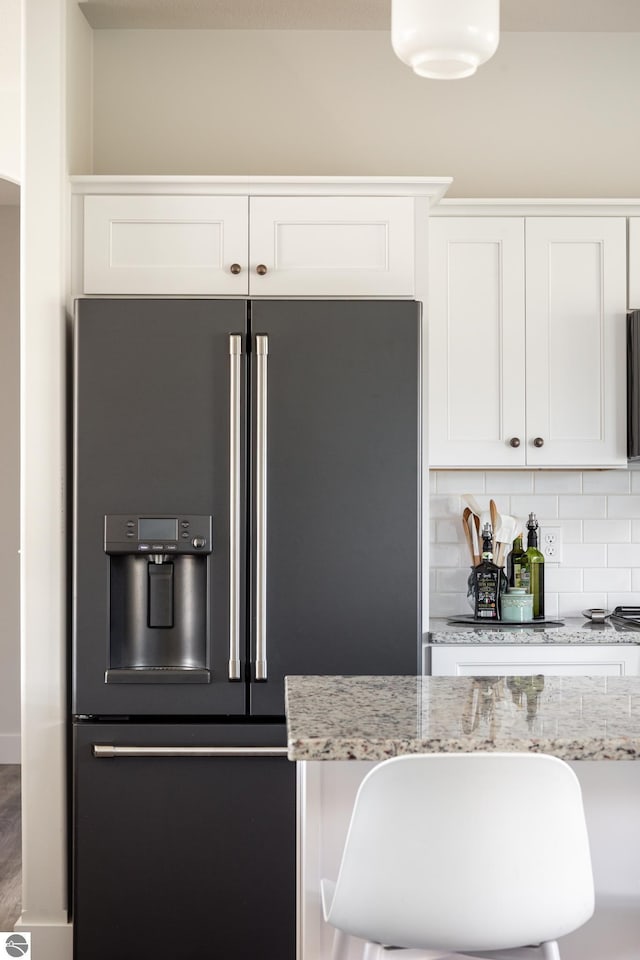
x,y
10,855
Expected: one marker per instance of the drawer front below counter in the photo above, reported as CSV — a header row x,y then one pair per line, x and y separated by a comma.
x,y
616,660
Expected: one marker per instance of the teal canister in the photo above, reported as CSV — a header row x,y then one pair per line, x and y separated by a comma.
x,y
517,605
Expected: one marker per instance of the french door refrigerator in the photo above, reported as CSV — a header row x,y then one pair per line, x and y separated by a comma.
x,y
246,506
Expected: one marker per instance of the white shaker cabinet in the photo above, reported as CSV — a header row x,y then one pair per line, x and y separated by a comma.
x,y
634,263
526,659
280,246
165,245
527,341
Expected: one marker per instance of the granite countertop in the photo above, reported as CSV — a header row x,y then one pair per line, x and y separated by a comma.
x,y
373,718
576,630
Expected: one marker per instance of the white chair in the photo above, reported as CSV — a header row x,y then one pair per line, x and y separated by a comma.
x,y
464,854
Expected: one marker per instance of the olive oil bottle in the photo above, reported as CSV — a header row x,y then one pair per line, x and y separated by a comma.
x,y
516,564
486,581
533,571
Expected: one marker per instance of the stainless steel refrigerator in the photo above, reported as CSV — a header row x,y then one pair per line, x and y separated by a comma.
x,y
246,506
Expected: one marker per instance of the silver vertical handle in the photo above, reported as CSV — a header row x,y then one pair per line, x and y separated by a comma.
x,y
235,354
262,351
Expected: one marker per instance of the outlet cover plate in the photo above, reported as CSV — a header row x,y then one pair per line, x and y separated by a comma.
x,y
551,544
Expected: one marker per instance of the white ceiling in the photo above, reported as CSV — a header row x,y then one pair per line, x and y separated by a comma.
x,y
516,15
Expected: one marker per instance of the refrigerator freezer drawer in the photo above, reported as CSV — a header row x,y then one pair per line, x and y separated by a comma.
x,y
184,842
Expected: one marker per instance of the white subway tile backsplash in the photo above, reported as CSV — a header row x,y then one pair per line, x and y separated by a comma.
x,y
452,581
571,531
448,605
624,506
607,531
508,481
623,555
631,599
440,506
609,579
558,481
562,579
584,555
606,481
449,530
634,473
598,511
448,555
545,507
581,507
459,481
572,604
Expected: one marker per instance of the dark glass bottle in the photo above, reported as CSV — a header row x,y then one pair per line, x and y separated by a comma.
x,y
486,578
535,563
517,563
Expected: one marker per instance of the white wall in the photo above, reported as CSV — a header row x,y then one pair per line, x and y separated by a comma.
x,y
10,89
9,483
598,511
550,115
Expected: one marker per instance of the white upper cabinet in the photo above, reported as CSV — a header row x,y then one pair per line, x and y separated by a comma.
x,y
527,341
576,347
476,341
264,238
165,245
331,246
634,263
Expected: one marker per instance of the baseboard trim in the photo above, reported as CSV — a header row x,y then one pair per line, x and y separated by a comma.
x,y
51,940
10,748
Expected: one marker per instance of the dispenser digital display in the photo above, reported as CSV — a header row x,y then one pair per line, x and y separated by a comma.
x,y
157,528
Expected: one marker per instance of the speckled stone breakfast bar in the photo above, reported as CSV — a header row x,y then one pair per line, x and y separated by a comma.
x,y
373,718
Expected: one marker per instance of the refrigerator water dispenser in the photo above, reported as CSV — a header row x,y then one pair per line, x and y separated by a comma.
x,y
158,589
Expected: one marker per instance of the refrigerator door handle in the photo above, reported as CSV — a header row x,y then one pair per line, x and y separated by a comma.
x,y
262,352
109,751
235,400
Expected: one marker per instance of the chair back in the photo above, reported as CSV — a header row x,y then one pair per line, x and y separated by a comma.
x,y
477,851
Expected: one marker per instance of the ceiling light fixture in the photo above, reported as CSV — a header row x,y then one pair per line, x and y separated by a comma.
x,y
445,39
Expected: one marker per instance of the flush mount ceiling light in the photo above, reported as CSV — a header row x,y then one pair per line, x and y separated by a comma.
x,y
445,39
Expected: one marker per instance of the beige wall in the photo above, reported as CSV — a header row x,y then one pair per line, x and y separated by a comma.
x,y
10,89
9,484
550,115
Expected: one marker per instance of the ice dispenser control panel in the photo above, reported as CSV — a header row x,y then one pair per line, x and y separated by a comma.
x,y
156,534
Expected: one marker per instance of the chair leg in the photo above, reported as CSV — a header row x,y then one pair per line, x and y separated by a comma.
x,y
371,951
550,950
340,949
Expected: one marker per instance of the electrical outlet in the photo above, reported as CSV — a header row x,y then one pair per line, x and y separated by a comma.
x,y
551,544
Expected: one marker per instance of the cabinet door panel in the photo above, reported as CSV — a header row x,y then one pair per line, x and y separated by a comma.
x,y
575,340
183,856
634,263
165,245
476,341
610,660
332,246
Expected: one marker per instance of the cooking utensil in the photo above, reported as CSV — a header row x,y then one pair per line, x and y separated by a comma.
x,y
480,518
507,531
466,517
495,523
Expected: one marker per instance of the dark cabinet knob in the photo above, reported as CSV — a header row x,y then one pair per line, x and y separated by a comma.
x,y
235,268
538,442
261,269
515,441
